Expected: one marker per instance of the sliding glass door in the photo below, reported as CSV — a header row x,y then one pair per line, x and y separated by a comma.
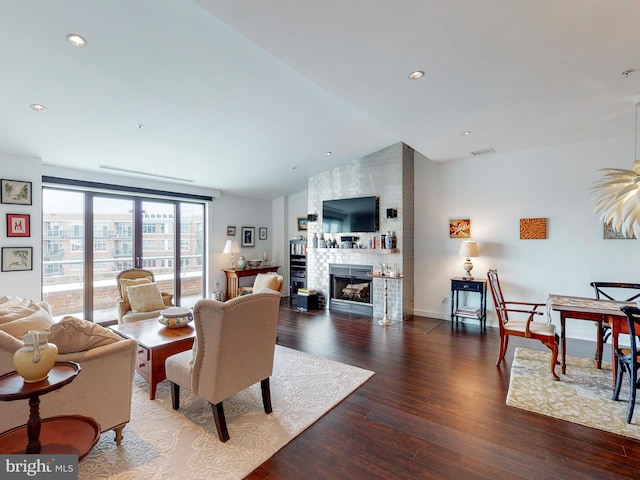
x,y
124,232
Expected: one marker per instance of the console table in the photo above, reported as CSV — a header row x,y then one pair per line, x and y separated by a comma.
x,y
233,274
64,434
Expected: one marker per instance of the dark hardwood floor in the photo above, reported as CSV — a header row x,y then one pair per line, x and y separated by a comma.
x,y
435,408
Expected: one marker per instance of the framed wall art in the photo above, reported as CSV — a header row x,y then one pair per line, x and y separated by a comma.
x,y
16,192
533,229
248,236
18,225
262,233
459,228
231,231
609,233
302,224
17,259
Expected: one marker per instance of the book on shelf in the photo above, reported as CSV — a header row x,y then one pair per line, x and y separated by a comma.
x,y
471,311
306,291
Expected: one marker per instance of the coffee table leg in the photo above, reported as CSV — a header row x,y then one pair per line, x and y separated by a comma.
x,y
34,425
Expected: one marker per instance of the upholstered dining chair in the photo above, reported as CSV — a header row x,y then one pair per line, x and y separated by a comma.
x,y
620,291
145,301
234,349
628,359
545,332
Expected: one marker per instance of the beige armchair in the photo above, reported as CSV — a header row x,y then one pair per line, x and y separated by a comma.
x,y
104,386
234,348
271,280
148,302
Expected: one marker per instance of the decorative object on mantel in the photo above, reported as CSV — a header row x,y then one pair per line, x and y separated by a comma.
x,y
468,249
231,247
460,228
533,229
36,358
617,195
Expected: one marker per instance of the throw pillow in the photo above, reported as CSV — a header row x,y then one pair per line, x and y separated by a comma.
x,y
130,282
264,280
38,320
13,308
72,334
145,298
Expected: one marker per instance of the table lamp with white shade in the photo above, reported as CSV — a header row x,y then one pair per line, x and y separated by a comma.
x,y
231,247
468,249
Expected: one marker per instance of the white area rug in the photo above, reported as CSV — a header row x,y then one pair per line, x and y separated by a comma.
x,y
160,443
581,396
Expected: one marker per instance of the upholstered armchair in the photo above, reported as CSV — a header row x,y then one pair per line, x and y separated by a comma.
x,y
234,348
270,280
140,298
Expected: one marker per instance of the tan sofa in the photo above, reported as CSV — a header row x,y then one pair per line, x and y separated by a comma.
x,y
103,388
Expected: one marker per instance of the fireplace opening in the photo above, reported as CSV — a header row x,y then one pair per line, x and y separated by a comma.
x,y
351,288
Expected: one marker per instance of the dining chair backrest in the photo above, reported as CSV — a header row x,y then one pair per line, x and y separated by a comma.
x,y
633,319
498,298
620,291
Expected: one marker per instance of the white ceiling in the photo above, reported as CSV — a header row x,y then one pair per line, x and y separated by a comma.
x,y
247,96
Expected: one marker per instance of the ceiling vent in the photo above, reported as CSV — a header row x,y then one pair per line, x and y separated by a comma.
x,y
484,151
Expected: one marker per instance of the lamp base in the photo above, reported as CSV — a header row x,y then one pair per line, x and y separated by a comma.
x,y
468,266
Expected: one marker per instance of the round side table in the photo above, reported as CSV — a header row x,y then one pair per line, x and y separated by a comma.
x,y
61,434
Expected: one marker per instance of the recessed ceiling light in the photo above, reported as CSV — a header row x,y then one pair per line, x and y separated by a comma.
x,y
76,40
416,75
36,107
466,133
328,154
628,72
140,126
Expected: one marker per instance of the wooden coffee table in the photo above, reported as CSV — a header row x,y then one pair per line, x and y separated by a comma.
x,y
155,344
71,434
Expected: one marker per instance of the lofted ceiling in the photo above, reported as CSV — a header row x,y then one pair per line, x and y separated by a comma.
x,y
248,96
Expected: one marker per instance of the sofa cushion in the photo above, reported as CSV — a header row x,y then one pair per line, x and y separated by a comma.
x,y
33,320
145,298
72,334
13,308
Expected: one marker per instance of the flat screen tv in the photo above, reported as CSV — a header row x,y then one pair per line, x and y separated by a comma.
x,y
350,215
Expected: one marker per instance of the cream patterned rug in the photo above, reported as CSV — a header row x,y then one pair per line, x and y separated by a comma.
x,y
581,396
160,443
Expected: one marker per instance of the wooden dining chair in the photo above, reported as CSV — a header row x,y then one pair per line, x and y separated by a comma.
x,y
545,332
619,291
628,359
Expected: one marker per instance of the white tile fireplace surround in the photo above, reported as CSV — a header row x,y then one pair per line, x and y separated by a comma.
x,y
388,175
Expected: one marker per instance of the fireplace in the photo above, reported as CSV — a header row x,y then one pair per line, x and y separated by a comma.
x,y
351,288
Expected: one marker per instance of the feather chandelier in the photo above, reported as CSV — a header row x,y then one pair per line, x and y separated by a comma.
x,y
617,196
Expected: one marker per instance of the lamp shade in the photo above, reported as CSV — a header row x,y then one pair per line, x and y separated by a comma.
x,y
468,248
231,247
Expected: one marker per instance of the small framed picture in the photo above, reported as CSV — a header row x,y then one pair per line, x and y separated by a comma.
x,y
16,192
248,236
231,231
16,259
459,228
262,233
302,224
18,225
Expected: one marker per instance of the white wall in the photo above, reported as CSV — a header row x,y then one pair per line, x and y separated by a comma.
x,y
23,284
495,192
229,210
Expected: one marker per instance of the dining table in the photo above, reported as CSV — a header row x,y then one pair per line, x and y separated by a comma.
x,y
595,310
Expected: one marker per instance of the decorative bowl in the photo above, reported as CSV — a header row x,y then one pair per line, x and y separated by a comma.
x,y
254,263
175,317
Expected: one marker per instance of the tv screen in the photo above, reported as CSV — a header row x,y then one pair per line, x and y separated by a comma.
x,y
350,215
